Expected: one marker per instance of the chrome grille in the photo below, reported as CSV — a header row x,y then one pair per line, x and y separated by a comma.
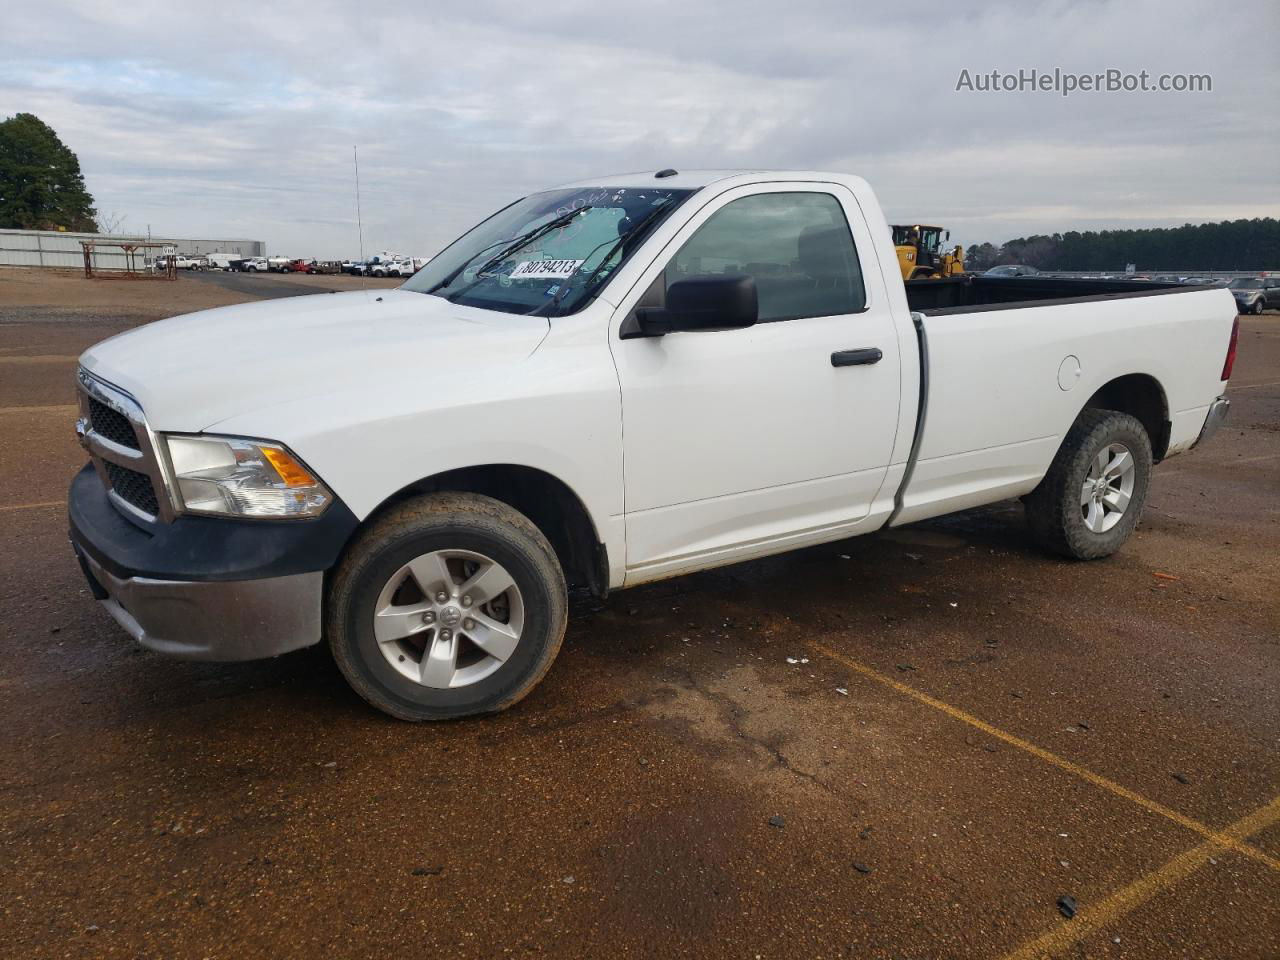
x,y
133,488
112,424
113,429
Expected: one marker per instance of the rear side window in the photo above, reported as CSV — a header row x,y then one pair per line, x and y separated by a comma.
x,y
796,246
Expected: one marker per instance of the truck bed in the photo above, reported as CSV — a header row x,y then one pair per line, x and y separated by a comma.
x,y
977,292
1028,353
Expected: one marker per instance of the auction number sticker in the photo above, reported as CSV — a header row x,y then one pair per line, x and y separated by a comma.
x,y
545,269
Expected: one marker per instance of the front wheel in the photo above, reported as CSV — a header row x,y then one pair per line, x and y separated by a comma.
x,y
1091,499
1257,307
448,605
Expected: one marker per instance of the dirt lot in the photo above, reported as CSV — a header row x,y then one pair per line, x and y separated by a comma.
x,y
908,745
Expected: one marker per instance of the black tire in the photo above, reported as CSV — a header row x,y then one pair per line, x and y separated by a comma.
x,y
1054,512
446,521
1257,308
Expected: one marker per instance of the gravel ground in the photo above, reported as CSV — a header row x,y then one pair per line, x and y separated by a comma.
x,y
908,745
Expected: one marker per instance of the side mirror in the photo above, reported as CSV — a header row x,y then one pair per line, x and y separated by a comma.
x,y
703,303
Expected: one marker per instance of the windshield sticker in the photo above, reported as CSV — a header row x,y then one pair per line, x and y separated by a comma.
x,y
545,269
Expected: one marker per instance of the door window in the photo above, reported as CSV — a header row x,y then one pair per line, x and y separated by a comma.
x,y
796,246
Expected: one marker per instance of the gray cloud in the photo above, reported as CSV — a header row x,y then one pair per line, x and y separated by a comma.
x,y
241,124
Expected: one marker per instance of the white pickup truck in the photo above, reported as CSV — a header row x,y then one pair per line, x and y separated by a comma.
x,y
602,385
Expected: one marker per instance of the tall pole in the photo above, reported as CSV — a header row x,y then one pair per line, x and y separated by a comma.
x,y
355,156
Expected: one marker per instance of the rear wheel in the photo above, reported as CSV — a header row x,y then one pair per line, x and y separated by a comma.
x,y
1257,307
1091,499
450,604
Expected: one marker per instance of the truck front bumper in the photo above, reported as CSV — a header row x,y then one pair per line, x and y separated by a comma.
x,y
213,620
207,588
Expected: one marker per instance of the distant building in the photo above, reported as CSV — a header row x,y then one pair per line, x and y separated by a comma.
x,y
54,248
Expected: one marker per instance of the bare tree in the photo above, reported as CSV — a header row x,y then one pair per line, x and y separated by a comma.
x,y
111,222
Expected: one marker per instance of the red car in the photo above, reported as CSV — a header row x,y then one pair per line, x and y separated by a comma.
x,y
298,266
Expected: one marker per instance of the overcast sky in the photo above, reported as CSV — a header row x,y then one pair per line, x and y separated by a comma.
x,y
237,120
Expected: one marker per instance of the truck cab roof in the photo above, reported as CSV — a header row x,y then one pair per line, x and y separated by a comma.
x,y
696,179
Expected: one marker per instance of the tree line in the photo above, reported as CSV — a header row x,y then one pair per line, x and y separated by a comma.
x,y
1229,245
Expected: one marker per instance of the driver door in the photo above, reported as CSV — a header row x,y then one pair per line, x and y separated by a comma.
x,y
744,442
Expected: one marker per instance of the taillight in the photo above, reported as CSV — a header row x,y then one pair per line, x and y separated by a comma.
x,y
1231,350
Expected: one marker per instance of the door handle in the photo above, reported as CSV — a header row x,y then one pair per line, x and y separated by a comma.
x,y
856,358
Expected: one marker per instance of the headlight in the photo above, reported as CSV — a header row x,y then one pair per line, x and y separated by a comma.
x,y
245,478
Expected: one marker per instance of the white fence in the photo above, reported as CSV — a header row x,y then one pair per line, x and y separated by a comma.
x,y
53,248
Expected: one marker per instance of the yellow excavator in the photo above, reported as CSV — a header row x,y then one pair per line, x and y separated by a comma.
x,y
920,252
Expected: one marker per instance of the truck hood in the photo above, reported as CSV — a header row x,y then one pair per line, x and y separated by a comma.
x,y
193,371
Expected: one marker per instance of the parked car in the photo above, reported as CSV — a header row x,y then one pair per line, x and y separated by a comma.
x,y
301,265
1255,294
279,264
357,268
324,266
1011,270
779,387
255,265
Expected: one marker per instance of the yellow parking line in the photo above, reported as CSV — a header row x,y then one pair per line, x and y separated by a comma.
x,y
1090,919
33,506
1218,837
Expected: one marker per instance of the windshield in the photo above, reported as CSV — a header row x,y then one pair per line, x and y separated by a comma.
x,y
549,253
1246,284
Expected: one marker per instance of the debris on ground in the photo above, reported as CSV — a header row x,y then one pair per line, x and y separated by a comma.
x,y
1164,576
777,821
1067,906
861,867
904,667
1180,777
842,691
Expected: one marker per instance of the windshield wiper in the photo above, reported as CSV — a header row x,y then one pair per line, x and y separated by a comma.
x,y
521,241
634,233
453,274
528,238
